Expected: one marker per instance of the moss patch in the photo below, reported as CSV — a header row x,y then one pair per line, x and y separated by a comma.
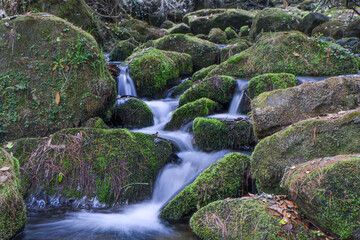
x,y
182,87
202,73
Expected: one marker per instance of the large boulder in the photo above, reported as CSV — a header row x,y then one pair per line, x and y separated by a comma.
x,y
130,112
269,82
203,21
247,219
302,142
274,20
327,190
290,52
353,29
199,108
334,29
272,111
52,76
212,134
12,207
217,88
225,178
153,69
311,21
82,166
203,53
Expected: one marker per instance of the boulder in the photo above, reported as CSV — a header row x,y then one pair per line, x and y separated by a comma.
x,y
167,24
202,73
179,28
233,49
246,218
270,81
353,29
334,29
311,21
274,20
272,111
230,33
130,112
81,167
95,122
212,134
203,21
52,76
302,142
225,178
12,207
290,52
152,69
239,4
203,53
216,35
181,88
327,190
123,50
217,88
199,108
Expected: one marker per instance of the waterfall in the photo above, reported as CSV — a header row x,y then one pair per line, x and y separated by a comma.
x,y
125,84
242,85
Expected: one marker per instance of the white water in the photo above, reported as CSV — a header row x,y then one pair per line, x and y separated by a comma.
x,y
125,84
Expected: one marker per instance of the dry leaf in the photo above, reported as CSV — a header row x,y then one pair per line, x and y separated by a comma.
x,y
296,54
4,169
57,98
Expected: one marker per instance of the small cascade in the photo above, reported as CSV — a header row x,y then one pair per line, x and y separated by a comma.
x,y
238,96
125,84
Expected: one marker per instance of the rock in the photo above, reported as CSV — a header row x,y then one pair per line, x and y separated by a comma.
x,y
269,82
216,35
238,4
202,73
203,21
356,49
217,88
308,5
225,178
212,134
274,20
302,142
12,207
124,167
96,122
290,52
179,28
245,219
152,69
52,77
181,88
230,33
272,111
328,191
353,29
334,29
233,49
202,36
244,31
130,112
199,108
123,50
203,53
167,24
311,21
157,18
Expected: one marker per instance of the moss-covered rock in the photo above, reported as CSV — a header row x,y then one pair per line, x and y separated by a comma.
x,y
328,191
225,178
203,21
12,207
182,87
202,73
233,49
230,33
353,29
95,122
244,219
269,82
216,35
203,53
52,76
199,108
113,165
274,20
302,142
290,52
334,29
152,69
167,24
179,28
130,112
217,88
213,134
311,21
122,50
272,111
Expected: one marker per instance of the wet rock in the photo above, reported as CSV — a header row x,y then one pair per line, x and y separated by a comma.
x,y
328,191
216,35
311,21
225,178
334,29
182,87
212,134
202,73
123,50
275,110
302,142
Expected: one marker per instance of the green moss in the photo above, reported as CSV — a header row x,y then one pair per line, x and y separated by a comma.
x,y
122,50
329,193
182,87
269,82
230,50
216,35
179,28
230,33
290,52
151,69
243,219
202,73
334,29
212,134
225,178
217,88
199,108
302,142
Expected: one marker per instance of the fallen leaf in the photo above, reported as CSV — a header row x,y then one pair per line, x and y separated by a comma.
x,y
57,98
296,54
4,169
